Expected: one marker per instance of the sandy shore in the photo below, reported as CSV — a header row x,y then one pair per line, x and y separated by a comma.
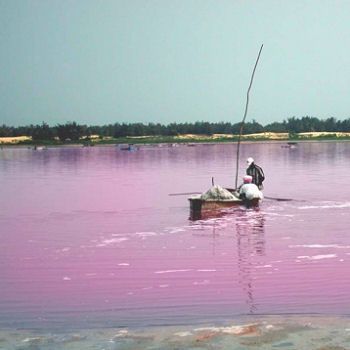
x,y
14,140
263,333
186,138
265,135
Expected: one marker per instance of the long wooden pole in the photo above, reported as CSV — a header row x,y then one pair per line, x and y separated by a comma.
x,y
245,115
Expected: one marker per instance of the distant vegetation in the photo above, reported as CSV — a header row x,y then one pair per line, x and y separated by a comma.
x,y
74,132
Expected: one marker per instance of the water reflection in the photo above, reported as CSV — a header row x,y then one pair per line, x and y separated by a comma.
x,y
250,233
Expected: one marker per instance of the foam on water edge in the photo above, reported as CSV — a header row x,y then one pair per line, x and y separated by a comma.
x,y
265,332
326,205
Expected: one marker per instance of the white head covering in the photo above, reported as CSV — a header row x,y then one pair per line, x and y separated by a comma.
x,y
250,160
247,179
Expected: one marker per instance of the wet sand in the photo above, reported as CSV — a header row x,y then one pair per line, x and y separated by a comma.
x,y
273,332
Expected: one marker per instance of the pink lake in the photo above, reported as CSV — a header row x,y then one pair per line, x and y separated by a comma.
x,y
91,237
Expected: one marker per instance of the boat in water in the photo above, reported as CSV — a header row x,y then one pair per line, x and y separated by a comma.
x,y
127,147
291,145
39,148
215,200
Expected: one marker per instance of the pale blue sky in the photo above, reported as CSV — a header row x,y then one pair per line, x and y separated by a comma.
x,y
102,61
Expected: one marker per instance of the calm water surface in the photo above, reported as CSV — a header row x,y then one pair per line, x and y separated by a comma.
x,y
90,236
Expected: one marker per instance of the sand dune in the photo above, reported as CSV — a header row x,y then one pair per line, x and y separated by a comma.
x,y
14,139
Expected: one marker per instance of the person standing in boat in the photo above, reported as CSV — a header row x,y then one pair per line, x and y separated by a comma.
x,y
256,173
249,190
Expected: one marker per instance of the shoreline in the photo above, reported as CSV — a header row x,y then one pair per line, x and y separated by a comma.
x,y
43,145
96,140
312,332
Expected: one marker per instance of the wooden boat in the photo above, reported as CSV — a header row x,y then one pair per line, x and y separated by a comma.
x,y
39,148
291,145
200,208
128,147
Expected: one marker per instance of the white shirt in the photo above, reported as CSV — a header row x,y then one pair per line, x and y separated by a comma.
x,y
251,191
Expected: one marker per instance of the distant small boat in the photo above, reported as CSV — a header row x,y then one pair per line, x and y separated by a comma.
x,y
39,148
290,145
199,207
129,147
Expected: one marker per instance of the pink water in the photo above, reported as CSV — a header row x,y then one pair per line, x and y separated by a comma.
x,y
90,236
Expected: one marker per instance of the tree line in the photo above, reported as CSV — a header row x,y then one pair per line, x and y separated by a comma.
x,y
74,131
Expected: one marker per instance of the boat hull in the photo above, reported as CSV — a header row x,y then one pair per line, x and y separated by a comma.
x,y
200,208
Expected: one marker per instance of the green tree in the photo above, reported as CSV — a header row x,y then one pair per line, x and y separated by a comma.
x,y
69,131
42,132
